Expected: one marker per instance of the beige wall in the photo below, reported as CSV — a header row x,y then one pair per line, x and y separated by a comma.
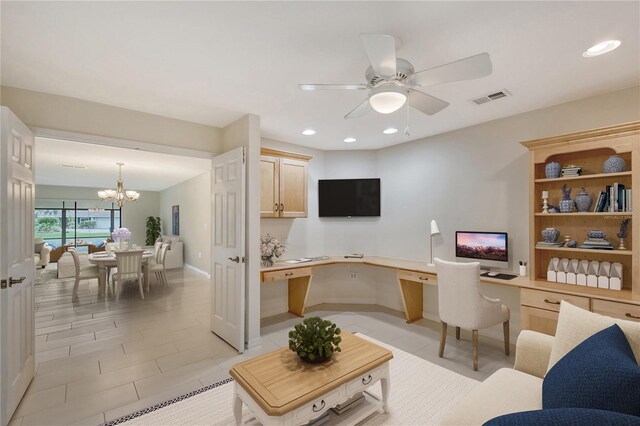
x,y
134,215
193,196
55,112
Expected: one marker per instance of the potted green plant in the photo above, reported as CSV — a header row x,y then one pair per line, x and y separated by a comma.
x,y
315,340
153,230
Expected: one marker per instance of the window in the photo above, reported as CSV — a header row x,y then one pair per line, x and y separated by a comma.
x,y
76,226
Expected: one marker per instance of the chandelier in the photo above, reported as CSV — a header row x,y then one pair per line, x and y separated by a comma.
x,y
119,195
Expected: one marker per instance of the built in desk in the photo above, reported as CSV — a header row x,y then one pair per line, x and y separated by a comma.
x,y
540,300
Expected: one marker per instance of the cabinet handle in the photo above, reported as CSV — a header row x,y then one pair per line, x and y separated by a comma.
x,y
367,380
315,407
552,302
288,274
423,278
276,207
281,207
628,315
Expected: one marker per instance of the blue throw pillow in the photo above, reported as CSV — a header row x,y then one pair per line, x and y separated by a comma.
x,y
600,373
565,417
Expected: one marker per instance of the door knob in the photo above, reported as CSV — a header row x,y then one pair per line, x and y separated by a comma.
x,y
235,259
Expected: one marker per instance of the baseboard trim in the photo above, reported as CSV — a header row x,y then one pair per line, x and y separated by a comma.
x,y
196,270
252,343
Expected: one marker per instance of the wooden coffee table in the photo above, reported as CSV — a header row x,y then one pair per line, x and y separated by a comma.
x,y
280,388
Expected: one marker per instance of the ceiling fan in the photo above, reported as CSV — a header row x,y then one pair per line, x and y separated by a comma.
x,y
392,81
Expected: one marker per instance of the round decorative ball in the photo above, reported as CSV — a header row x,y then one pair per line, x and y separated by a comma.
x,y
614,164
552,170
583,201
550,235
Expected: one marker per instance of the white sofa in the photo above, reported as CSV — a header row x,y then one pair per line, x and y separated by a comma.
x,y
520,389
175,255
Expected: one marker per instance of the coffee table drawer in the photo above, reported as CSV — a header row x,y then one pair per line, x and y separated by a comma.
x,y
550,300
286,274
365,380
315,408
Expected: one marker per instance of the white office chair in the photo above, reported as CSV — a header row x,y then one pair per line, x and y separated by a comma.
x,y
461,304
81,273
158,267
129,264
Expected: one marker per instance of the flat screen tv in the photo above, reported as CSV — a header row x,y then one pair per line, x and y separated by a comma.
x,y
484,246
349,197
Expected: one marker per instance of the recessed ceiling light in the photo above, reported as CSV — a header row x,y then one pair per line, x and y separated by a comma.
x,y
390,131
601,48
308,132
349,140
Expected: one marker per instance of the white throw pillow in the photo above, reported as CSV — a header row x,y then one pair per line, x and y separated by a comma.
x,y
576,325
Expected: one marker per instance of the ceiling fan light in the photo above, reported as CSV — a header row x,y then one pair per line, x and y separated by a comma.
x,y
387,101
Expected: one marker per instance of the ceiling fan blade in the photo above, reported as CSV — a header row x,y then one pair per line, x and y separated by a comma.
x,y
464,69
381,50
360,110
424,103
333,86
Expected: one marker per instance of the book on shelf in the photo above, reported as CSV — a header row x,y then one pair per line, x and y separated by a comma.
x,y
570,171
546,244
615,198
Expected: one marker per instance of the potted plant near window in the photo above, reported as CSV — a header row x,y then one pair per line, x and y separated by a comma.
x,y
153,230
315,340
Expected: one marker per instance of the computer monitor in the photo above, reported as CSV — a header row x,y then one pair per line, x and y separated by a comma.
x,y
489,248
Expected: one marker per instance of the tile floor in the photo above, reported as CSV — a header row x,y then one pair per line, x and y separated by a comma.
x,y
98,360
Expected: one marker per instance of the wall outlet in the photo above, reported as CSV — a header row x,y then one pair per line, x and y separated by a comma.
x,y
353,275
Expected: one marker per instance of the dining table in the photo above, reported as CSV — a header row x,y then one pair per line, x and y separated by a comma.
x,y
105,260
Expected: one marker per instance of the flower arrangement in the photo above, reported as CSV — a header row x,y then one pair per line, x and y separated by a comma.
x,y
270,247
566,192
315,340
121,234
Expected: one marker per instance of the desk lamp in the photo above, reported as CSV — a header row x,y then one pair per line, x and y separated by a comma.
x,y
434,231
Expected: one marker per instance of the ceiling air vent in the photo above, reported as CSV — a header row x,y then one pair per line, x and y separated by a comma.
x,y
491,97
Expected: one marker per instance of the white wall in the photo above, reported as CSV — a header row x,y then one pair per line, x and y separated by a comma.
x,y
470,179
134,215
194,198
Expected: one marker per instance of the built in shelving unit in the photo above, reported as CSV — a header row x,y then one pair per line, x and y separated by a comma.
x,y
589,150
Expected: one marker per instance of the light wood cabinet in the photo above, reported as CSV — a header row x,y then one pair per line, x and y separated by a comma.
x,y
589,150
283,184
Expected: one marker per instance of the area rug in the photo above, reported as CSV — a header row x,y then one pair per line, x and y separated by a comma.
x,y
421,393
49,275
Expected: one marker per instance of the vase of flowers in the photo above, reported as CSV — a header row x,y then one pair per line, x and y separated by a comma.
x,y
270,247
121,236
566,205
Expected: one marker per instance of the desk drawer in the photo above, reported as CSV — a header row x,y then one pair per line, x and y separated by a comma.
x,y
549,300
285,274
625,311
421,277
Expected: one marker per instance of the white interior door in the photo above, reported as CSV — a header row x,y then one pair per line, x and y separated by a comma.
x,y
227,265
17,268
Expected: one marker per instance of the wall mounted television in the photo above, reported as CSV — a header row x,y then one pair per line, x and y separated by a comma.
x,y
483,246
349,197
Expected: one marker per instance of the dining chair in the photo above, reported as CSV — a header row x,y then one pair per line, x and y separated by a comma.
x,y
461,304
129,265
86,272
159,267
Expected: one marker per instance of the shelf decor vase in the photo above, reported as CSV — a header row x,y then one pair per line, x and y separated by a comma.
x,y
552,170
566,206
614,164
583,201
550,235
266,261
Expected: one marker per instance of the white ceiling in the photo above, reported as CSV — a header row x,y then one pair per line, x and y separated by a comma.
x,y
212,62
94,166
